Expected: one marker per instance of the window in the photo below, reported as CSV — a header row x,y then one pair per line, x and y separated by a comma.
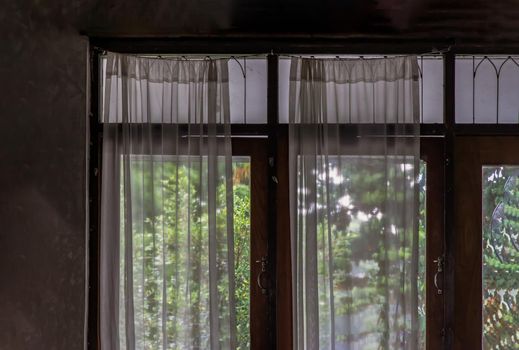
x,y
351,231
467,256
165,269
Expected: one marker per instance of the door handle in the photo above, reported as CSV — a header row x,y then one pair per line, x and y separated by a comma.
x,y
439,269
259,279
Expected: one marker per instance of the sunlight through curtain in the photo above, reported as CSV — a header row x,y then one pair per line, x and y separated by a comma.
x,y
166,245
354,160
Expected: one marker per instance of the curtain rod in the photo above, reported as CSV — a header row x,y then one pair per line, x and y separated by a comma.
x,y
272,43
434,51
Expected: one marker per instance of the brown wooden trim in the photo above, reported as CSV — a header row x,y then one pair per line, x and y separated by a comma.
x,y
467,245
94,205
431,150
261,44
256,149
272,187
284,268
449,105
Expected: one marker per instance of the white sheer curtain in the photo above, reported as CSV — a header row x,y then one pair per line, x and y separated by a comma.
x,y
166,249
354,161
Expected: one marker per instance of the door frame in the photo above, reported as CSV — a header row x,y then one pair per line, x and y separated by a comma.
x,y
473,152
432,152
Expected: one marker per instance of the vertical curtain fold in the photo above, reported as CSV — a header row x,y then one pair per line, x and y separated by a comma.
x,y
354,162
167,236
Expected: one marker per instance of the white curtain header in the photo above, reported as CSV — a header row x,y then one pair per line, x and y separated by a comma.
x,y
349,71
161,91
160,70
354,91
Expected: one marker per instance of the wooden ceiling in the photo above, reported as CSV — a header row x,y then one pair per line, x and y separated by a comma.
x,y
464,20
467,22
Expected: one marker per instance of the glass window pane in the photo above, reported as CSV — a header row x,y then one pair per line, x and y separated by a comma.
x,y
500,257
170,254
283,86
253,94
422,256
431,89
350,218
241,206
486,89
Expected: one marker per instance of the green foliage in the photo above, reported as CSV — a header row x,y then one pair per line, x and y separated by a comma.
x,y
242,251
369,243
172,221
170,233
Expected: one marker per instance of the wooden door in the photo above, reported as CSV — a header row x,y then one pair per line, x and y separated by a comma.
x,y
485,272
432,156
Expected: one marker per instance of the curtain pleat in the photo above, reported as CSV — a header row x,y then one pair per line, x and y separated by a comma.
x,y
354,162
167,235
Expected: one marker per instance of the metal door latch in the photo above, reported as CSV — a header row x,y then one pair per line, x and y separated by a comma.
x,y
439,269
264,263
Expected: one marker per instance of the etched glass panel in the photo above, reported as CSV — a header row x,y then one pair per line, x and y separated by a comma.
x,y
487,88
500,257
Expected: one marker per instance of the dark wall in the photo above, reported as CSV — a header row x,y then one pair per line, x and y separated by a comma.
x,y
42,182
43,119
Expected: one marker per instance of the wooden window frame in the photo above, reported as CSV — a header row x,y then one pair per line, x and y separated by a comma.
x,y
438,148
